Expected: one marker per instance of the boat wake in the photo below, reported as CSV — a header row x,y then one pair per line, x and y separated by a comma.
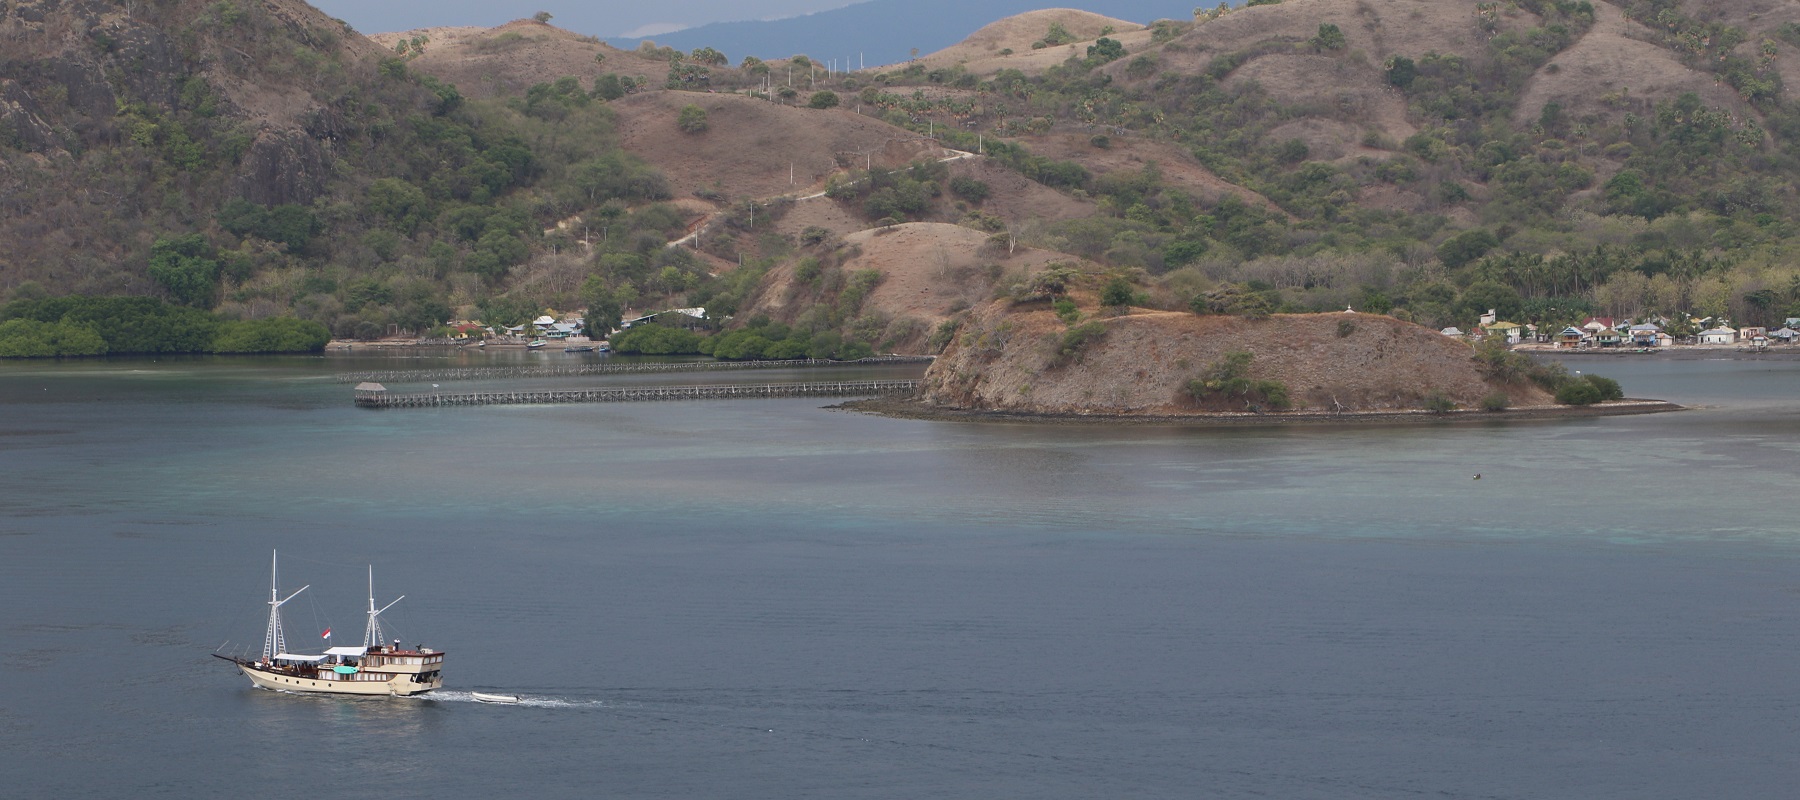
x,y
527,701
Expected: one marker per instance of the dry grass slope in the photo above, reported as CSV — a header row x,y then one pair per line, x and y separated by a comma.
x,y
930,271
507,60
1005,361
981,54
750,145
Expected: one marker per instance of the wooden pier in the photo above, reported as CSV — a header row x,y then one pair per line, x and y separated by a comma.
x,y
376,396
576,370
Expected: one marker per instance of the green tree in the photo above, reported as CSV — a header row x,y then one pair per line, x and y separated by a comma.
x,y
1401,71
1483,295
1466,247
822,99
186,268
603,307
1578,393
1330,37
1118,292
971,189
710,57
609,87
399,203
1104,50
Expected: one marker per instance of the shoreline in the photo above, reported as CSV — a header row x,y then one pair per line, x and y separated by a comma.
x,y
1676,353
913,409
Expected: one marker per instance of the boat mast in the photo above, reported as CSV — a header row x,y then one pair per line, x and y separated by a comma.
x,y
372,634
273,640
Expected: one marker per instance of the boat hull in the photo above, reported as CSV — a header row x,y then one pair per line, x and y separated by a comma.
x,y
397,685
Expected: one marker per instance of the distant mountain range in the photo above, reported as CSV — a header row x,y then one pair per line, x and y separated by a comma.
x,y
881,32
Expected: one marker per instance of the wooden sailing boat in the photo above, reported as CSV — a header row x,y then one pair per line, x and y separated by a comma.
x,y
375,668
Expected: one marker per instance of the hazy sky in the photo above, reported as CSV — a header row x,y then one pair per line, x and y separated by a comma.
x,y
593,17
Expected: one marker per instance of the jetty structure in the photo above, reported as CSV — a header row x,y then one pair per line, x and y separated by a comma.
x,y
580,370
375,395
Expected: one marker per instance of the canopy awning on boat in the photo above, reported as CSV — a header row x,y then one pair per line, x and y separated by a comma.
x,y
298,657
347,651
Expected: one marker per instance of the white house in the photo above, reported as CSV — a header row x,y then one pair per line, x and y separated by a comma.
x,y
1720,335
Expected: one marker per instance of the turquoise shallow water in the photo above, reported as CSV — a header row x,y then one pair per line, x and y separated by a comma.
x,y
757,598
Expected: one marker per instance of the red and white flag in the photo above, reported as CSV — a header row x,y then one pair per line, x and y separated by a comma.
x,y
326,634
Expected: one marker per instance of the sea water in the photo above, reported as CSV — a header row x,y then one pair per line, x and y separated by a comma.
x,y
770,599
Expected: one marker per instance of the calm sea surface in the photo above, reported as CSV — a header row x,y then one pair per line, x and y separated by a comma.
x,y
757,599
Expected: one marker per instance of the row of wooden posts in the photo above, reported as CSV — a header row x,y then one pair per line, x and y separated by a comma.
x,y
575,370
374,395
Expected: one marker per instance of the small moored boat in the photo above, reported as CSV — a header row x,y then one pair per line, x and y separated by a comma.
x,y
375,668
484,697
535,344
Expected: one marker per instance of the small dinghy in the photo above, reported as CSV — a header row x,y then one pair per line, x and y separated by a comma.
x,y
483,697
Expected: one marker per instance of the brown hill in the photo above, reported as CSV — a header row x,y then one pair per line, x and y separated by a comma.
x,y
1342,98
1007,359
108,111
982,52
929,272
507,60
1178,167
751,147
1615,59
1015,200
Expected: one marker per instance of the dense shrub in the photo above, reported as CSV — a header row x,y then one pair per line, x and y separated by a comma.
x,y
660,340
79,326
1118,292
1229,380
691,119
274,335
1578,393
1076,340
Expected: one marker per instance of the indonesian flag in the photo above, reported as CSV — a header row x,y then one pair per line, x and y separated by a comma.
x,y
326,634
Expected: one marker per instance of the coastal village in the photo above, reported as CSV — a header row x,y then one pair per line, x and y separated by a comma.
x,y
1646,335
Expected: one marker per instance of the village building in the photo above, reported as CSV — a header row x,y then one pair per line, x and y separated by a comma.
x,y
1720,335
1512,331
1595,325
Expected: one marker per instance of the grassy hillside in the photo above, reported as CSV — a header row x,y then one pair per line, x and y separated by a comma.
x,y
260,159
1546,158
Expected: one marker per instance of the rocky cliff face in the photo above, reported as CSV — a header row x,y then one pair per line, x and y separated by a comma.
x,y
119,120
1009,359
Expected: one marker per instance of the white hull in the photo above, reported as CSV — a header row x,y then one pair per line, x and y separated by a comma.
x,y
495,698
398,685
